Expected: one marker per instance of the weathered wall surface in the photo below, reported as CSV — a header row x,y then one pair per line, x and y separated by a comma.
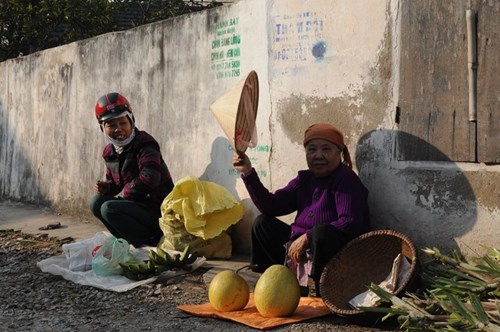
x,y
335,61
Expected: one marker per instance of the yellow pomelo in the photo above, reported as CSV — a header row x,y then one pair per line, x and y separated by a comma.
x,y
277,292
228,291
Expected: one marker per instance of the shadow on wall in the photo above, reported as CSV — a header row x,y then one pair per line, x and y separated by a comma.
x,y
217,171
220,170
433,203
18,180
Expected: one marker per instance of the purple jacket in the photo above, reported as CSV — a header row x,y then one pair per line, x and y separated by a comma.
x,y
139,172
339,199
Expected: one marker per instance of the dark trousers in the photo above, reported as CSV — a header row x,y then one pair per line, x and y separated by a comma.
x,y
135,222
269,236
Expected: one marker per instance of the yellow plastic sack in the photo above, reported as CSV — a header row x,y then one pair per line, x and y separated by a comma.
x,y
198,213
176,239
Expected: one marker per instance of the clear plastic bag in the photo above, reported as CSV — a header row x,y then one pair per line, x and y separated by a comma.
x,y
108,257
79,253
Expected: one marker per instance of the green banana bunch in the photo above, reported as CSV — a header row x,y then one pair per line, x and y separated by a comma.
x,y
158,262
182,260
138,270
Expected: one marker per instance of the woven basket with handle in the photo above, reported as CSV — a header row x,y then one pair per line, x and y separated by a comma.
x,y
365,260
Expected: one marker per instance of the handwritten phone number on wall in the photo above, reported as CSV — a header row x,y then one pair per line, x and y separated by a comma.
x,y
226,65
228,73
227,69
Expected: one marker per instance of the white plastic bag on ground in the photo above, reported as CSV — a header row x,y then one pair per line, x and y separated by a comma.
x,y
79,253
59,265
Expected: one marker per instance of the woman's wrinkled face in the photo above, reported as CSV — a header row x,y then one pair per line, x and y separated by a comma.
x,y
322,157
118,128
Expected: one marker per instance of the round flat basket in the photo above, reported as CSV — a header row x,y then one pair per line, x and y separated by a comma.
x,y
367,259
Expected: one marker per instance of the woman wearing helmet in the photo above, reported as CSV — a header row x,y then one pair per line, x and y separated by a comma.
x,y
136,169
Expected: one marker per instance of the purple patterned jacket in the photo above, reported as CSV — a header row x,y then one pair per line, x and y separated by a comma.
x,y
139,172
339,199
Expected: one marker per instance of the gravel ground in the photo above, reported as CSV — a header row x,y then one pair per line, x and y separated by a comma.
x,y
31,300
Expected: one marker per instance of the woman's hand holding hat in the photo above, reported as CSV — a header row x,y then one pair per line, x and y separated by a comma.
x,y
242,163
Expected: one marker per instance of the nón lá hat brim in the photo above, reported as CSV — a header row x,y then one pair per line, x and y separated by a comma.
x,y
236,112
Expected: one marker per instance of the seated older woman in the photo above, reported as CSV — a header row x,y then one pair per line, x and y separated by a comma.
x,y
330,201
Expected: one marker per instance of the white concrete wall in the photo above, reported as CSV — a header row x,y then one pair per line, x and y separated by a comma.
x,y
334,61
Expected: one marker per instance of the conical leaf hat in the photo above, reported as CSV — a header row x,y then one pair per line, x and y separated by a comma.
x,y
236,112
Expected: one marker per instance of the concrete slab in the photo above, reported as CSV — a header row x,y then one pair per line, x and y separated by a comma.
x,y
29,218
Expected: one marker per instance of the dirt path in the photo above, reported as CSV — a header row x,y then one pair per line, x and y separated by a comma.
x,y
31,300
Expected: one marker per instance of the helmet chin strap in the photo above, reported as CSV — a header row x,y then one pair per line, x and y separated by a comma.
x,y
123,143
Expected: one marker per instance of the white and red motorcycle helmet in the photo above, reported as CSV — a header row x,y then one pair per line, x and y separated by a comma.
x,y
112,105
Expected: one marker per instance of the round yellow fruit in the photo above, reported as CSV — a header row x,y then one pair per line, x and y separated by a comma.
x,y
277,292
228,291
